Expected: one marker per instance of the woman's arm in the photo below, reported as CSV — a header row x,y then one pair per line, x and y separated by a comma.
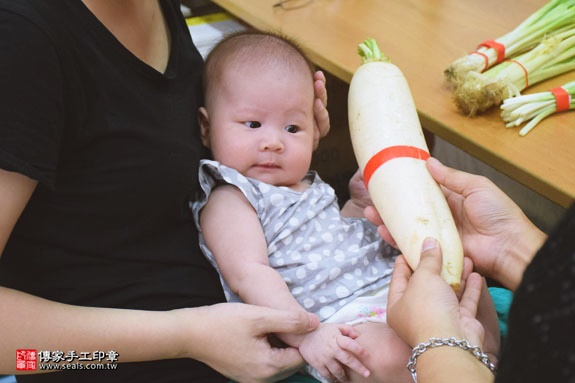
x,y
432,367
36,323
201,333
15,192
29,322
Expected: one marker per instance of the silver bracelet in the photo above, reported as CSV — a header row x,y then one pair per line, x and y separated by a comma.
x,y
451,342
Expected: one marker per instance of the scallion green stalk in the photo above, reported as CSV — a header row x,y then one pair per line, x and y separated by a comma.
x,y
481,91
554,17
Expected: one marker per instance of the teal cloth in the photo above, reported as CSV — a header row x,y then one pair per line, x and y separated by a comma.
x,y
502,299
299,378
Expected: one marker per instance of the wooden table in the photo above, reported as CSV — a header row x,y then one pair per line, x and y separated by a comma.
x,y
423,37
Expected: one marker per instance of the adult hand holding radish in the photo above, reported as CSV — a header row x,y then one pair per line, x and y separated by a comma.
x,y
391,151
495,233
455,320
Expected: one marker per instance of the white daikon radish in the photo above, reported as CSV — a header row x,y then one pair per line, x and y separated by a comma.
x,y
390,148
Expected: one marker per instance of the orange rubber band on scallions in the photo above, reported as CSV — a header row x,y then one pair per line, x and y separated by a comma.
x,y
562,99
524,71
485,59
499,48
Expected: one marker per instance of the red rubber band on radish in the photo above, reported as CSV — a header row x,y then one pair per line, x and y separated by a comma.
x,y
524,71
390,153
499,48
562,99
485,58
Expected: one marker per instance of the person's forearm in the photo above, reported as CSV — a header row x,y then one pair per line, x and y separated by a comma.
x,y
520,253
261,285
29,322
450,364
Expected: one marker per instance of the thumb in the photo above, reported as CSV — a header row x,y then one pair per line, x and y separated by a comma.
x,y
452,179
431,256
292,322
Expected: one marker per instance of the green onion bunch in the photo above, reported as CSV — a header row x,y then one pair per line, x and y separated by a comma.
x,y
541,47
532,108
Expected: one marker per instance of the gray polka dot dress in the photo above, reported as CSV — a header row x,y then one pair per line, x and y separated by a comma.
x,y
325,259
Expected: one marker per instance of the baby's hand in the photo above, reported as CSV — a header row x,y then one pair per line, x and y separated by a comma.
x,y
359,197
332,347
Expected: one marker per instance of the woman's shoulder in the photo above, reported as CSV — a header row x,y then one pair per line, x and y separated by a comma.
x,y
43,14
35,23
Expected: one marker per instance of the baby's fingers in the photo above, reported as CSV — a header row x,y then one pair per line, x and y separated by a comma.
x,y
349,355
348,331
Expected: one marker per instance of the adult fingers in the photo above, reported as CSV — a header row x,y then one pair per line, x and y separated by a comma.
x,y
399,281
466,271
431,256
281,321
319,86
454,180
470,298
321,114
322,122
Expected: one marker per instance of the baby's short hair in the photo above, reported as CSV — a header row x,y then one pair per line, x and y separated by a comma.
x,y
242,47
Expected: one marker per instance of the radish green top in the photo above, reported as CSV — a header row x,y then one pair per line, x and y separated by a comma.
x,y
369,52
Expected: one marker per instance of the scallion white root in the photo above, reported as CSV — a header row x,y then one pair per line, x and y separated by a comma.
x,y
533,108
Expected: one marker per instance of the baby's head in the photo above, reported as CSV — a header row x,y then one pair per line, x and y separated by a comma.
x,y
258,115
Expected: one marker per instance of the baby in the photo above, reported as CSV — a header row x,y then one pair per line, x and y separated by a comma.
x,y
298,250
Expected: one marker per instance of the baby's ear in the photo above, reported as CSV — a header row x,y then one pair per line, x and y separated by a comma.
x,y
204,121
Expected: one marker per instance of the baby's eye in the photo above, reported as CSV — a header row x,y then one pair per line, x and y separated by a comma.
x,y
253,124
292,128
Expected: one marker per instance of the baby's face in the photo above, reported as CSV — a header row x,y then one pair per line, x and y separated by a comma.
x,y
261,123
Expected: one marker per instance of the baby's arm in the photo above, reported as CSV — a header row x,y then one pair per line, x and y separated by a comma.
x,y
234,234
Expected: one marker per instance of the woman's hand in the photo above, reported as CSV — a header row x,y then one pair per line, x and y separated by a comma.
x,y
421,305
495,233
320,108
233,338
